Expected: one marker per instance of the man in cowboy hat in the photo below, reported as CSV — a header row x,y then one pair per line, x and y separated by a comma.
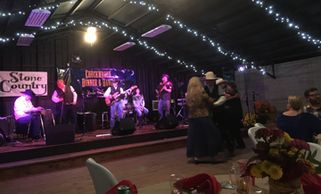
x,y
210,85
113,98
23,112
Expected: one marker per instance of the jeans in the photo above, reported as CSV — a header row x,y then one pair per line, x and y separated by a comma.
x,y
116,111
164,107
35,125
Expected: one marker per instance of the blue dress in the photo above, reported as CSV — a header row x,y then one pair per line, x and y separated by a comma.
x,y
302,126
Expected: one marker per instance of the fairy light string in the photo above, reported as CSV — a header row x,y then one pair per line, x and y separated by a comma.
x,y
204,38
287,22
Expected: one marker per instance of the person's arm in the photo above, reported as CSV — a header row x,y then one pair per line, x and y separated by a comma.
x,y
143,101
55,98
135,102
75,95
107,93
169,89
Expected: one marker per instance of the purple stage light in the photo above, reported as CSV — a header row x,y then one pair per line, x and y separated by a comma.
x,y
156,31
25,40
124,46
37,17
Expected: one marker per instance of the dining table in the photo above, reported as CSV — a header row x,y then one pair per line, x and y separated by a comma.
x,y
261,187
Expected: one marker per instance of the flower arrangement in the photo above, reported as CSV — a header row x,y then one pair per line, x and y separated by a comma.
x,y
264,111
249,119
278,156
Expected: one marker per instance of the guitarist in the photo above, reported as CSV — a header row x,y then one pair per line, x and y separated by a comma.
x,y
163,92
116,106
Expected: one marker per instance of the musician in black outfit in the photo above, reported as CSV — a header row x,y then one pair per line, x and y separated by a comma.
x,y
116,105
65,99
164,91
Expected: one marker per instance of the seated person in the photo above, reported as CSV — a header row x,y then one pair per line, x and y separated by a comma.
x,y
313,98
296,123
139,104
25,113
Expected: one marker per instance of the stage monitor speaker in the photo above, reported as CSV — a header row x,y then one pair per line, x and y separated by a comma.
x,y
168,122
60,134
125,126
86,121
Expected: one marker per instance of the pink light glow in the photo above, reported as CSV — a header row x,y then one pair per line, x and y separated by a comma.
x,y
25,40
156,31
124,46
37,17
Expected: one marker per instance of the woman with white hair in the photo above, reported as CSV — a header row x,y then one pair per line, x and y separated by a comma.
x,y
203,138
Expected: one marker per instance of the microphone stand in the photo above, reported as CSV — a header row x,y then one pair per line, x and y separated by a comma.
x,y
83,112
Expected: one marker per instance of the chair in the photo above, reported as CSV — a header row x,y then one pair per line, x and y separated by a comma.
x,y
316,147
47,120
104,119
102,178
252,130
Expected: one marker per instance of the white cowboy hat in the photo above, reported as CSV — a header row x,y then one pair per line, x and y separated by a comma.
x,y
220,81
210,75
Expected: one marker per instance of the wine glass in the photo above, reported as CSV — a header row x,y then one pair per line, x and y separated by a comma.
x,y
173,178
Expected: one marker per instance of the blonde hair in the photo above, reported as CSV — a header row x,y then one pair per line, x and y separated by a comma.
x,y
295,102
195,90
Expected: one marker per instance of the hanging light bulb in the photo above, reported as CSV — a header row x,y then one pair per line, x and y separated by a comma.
x,y
90,36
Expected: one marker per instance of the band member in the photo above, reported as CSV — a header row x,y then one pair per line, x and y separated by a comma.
x,y
112,96
25,113
164,91
139,104
65,99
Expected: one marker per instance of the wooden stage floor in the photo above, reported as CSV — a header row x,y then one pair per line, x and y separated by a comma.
x,y
20,149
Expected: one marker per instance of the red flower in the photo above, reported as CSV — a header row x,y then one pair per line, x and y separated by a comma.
x,y
300,144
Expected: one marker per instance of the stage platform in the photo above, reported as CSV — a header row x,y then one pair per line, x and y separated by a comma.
x,y
22,157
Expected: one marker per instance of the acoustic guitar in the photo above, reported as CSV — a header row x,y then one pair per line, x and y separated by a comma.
x,y
111,99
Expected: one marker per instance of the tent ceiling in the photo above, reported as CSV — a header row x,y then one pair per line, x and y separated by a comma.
x,y
238,25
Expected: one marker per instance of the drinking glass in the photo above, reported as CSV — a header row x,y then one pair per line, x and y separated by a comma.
x,y
172,180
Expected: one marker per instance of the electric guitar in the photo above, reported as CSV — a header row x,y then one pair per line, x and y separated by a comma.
x,y
111,99
162,87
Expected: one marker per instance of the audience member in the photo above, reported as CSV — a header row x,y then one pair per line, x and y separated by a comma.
x,y
229,116
203,138
296,123
313,98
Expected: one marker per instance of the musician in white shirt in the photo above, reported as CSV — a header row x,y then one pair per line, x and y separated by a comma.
x,y
112,96
26,113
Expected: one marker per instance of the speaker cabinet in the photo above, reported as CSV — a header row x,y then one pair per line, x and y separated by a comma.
x,y
86,121
60,134
168,122
124,127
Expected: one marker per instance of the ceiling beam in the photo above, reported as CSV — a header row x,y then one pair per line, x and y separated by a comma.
x,y
72,10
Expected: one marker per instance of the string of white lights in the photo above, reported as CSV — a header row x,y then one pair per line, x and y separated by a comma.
x,y
291,24
23,12
149,6
202,37
142,43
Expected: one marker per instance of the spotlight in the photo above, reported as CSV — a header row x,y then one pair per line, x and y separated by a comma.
x,y
90,36
241,68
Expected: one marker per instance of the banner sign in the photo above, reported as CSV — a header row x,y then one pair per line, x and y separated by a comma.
x,y
93,80
12,83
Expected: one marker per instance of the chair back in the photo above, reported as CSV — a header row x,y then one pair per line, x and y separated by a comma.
x,y
47,118
252,130
316,147
102,178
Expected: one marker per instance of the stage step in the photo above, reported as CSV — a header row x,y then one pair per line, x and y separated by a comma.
x,y
75,159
